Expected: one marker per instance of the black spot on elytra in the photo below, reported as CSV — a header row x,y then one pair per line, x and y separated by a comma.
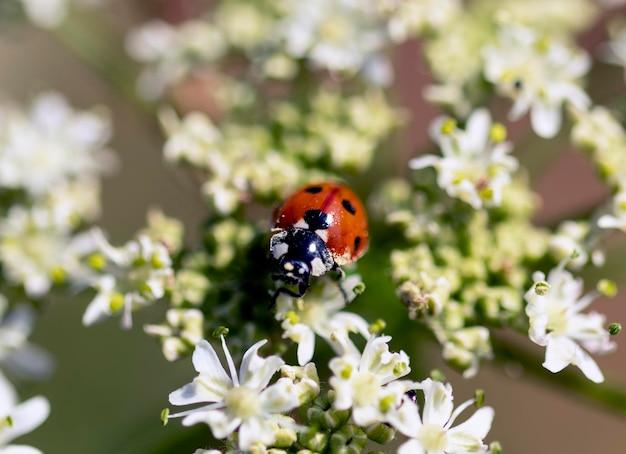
x,y
316,220
348,206
313,189
357,243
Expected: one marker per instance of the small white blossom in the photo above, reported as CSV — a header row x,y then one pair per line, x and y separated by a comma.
x,y
135,275
17,419
37,252
339,35
368,382
557,323
538,73
320,315
172,52
433,433
475,164
466,347
569,239
409,18
51,145
182,330
237,402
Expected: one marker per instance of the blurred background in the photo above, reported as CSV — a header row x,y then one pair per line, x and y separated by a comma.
x,y
110,385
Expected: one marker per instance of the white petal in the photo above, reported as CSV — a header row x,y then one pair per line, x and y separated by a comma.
x,y
221,423
306,346
560,352
545,119
26,417
20,449
255,430
255,371
588,366
207,363
477,130
280,397
471,432
424,161
8,396
411,447
406,419
438,402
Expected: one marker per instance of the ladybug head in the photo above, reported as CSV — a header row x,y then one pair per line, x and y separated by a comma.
x,y
299,254
294,271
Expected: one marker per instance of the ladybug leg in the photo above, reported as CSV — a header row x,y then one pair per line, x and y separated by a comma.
x,y
302,288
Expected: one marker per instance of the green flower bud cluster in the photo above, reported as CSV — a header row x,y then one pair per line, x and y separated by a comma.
x,y
464,270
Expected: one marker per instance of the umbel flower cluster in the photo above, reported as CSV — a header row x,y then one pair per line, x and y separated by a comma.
x,y
287,93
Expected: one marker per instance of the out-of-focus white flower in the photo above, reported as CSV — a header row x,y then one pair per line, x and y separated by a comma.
x,y
51,145
182,330
433,433
172,52
133,276
599,132
17,419
37,252
339,35
466,347
368,382
319,314
476,162
539,73
569,239
237,402
557,323
16,353
409,18
189,140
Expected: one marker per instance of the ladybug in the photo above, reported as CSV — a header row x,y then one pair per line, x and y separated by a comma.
x,y
319,228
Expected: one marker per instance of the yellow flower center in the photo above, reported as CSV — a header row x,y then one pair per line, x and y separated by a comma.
x,y
243,402
433,438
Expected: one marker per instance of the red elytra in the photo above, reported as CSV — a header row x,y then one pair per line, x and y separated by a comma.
x,y
344,230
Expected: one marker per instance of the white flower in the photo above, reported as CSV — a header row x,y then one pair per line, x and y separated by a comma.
x,y
368,383
557,323
568,239
37,251
50,145
182,330
134,276
238,402
476,163
339,35
17,419
16,353
432,433
539,74
466,347
319,314
172,52
409,18
191,139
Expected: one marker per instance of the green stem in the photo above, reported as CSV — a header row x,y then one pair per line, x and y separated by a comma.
x,y
610,395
